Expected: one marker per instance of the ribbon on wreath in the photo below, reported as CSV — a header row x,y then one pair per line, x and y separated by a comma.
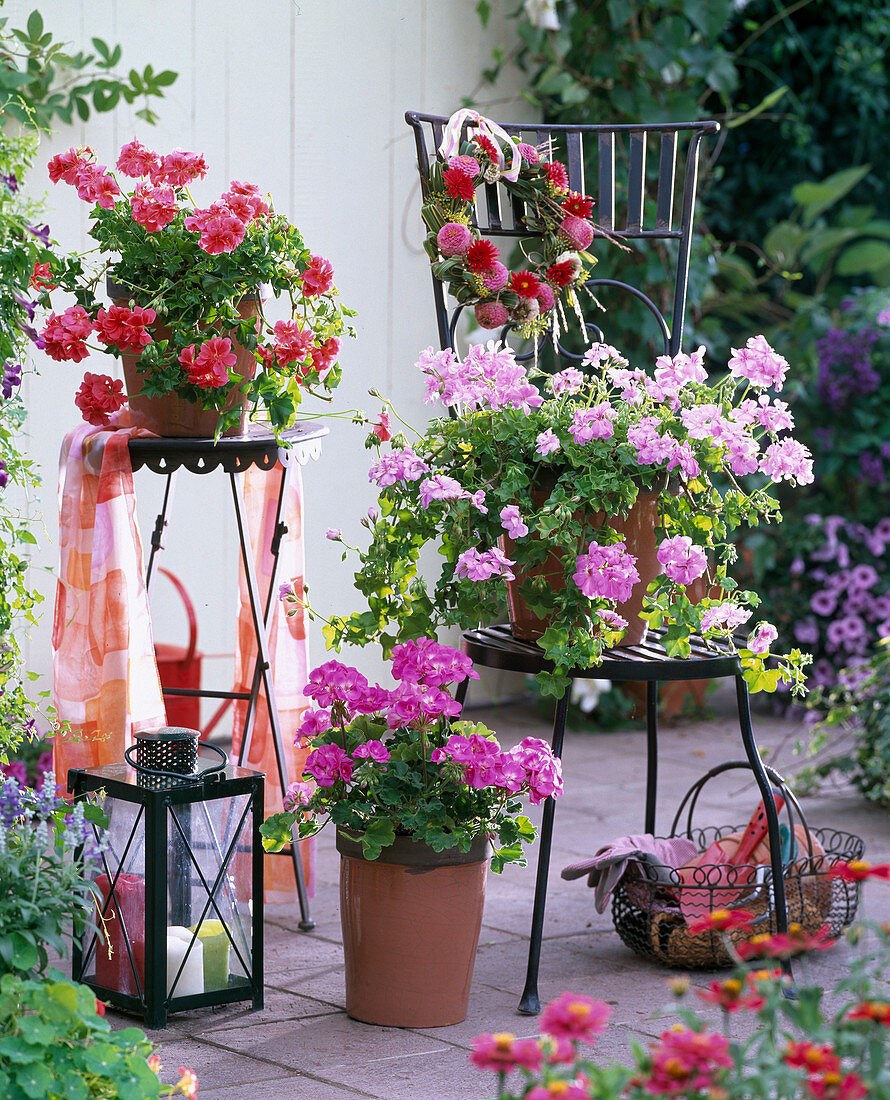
x,y
450,145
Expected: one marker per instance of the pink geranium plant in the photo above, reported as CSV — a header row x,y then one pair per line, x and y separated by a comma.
x,y
183,272
523,466
388,762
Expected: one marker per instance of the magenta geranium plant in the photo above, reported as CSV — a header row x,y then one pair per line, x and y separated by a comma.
x,y
522,464
179,274
388,762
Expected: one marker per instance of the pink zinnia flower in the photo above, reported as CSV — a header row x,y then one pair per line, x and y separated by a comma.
x,y
491,314
529,153
98,397
577,231
574,1017
504,1052
495,278
454,239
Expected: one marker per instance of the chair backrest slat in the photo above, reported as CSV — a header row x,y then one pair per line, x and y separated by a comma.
x,y
636,182
667,174
605,201
575,161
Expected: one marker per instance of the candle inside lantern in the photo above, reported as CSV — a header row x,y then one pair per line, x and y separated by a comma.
x,y
191,980
212,935
125,910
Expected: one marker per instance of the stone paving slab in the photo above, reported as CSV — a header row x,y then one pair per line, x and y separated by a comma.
x,y
303,1046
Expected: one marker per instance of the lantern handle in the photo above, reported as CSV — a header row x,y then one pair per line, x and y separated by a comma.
x,y
211,772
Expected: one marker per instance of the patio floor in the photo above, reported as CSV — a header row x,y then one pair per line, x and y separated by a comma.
x,y
303,1045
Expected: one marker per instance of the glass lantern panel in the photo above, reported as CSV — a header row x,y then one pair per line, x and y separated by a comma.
x,y
209,879
116,959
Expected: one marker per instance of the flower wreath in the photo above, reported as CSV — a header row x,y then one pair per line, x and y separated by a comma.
x,y
469,265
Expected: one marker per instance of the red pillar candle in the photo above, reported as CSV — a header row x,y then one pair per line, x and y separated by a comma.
x,y
128,902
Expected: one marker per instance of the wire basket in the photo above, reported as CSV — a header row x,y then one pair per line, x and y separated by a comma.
x,y
646,909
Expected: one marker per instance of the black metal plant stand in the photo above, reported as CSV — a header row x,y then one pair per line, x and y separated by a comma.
x,y
649,662
234,455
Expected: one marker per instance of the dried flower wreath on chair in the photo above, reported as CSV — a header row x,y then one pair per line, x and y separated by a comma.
x,y
535,297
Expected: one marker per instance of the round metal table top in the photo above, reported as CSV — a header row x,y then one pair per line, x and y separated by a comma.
x,y
257,447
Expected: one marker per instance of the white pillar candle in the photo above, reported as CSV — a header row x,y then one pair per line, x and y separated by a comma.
x,y
191,980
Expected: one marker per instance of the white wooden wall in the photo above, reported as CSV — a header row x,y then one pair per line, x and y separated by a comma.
x,y
305,98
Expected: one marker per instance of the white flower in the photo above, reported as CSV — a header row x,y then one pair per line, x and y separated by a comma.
x,y
542,14
586,693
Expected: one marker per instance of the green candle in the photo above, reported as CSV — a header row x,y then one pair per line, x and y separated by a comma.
x,y
212,935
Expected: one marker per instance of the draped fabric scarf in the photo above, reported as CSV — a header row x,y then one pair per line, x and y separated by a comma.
x,y
105,678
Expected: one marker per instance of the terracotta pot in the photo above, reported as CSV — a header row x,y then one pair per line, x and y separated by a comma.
x,y
638,531
411,922
172,415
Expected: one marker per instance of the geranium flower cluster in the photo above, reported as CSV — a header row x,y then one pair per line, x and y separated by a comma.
x,y
471,265
831,1053
176,260
390,761
523,476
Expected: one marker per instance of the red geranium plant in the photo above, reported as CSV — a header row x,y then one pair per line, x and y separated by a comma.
x,y
171,263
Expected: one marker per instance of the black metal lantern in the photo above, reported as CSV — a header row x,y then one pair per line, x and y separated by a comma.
x,y
180,896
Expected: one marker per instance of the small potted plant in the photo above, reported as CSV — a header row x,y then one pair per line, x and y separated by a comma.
x,y
187,287
416,799
607,499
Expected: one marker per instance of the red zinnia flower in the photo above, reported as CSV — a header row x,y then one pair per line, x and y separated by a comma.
x,y
525,284
831,1086
578,205
459,184
721,920
486,146
879,1011
557,175
804,1054
856,870
786,945
481,255
563,273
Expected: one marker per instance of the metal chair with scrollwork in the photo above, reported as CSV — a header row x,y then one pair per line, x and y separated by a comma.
x,y
645,183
